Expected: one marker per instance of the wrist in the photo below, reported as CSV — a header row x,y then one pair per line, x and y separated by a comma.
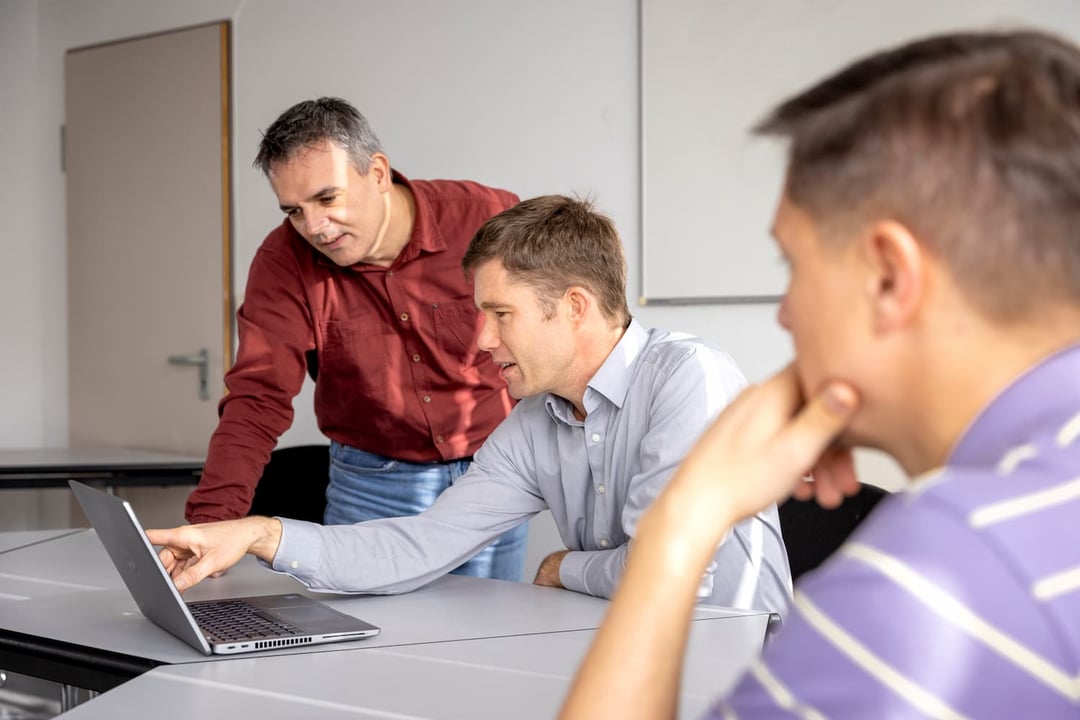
x,y
549,572
266,538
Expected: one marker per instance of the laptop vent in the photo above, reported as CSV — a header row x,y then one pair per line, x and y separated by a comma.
x,y
263,644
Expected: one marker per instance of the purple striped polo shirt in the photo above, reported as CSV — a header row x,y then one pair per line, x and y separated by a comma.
x,y
958,597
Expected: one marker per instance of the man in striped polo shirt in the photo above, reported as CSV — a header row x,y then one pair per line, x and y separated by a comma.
x,y
931,217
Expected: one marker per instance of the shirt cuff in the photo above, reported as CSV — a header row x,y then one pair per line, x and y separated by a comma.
x,y
572,571
299,553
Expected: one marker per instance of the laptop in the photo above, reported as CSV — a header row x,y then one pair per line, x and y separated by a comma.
x,y
225,627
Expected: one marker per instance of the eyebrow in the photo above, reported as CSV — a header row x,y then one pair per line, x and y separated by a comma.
x,y
329,189
489,305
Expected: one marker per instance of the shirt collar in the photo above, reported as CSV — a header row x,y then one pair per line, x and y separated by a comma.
x,y
1034,404
426,236
611,381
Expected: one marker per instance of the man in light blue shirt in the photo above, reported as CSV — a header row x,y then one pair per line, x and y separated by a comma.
x,y
608,409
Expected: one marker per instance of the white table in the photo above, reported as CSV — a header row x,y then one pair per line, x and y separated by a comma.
x,y
14,540
476,648
520,676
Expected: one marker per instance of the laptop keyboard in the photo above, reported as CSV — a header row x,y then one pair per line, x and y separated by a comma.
x,y
234,620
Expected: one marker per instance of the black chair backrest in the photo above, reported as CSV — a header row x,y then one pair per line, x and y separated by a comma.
x,y
812,533
293,484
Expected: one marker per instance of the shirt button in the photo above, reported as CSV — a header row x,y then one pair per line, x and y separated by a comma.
x,y
404,317
416,357
390,273
604,542
596,437
427,398
600,489
438,438
294,564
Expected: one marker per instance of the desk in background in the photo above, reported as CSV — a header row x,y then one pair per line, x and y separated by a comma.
x,y
112,467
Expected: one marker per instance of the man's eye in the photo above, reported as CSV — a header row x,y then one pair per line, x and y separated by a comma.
x,y
328,199
499,314
293,212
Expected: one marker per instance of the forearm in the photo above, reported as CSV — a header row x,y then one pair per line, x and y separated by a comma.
x,y
633,667
384,556
275,332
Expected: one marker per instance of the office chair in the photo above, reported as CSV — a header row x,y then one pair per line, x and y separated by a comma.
x,y
812,533
293,484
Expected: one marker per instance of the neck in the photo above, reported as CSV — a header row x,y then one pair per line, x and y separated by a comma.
x,y
963,374
594,347
398,222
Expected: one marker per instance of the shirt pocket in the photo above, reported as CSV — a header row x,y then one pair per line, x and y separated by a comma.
x,y
353,345
457,329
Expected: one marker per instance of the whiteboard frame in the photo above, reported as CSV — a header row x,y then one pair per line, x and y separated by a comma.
x,y
643,298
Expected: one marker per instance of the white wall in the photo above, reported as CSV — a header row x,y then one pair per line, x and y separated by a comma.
x,y
28,306
535,97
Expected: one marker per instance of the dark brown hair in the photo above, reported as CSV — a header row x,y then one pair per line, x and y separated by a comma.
x,y
552,243
970,140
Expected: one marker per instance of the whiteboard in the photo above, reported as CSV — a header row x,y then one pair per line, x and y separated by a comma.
x,y
710,70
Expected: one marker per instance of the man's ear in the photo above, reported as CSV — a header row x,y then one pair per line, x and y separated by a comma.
x,y
578,302
897,281
379,169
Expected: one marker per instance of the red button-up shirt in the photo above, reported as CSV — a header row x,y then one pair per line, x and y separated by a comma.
x,y
399,370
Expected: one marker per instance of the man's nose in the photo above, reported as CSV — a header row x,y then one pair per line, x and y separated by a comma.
x,y
782,314
489,337
316,222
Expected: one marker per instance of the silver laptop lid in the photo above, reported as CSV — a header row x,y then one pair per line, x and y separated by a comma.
x,y
138,564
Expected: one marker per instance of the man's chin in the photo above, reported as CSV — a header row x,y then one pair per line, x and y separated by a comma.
x,y
852,438
340,255
341,259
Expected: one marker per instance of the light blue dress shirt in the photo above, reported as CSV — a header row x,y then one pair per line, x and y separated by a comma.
x,y
646,405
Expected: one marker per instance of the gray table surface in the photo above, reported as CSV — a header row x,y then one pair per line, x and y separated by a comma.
x,y
13,540
519,676
67,589
459,647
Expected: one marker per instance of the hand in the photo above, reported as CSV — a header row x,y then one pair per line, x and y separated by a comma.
x,y
831,480
756,453
759,450
548,572
190,553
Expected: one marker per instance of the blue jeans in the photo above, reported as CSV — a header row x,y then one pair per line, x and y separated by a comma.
x,y
366,486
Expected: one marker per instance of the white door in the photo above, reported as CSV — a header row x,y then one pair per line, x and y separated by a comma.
x,y
147,166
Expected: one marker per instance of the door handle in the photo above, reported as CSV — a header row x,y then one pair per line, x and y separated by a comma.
x,y
200,359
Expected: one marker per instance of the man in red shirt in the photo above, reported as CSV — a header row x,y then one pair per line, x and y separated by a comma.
x,y
361,283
